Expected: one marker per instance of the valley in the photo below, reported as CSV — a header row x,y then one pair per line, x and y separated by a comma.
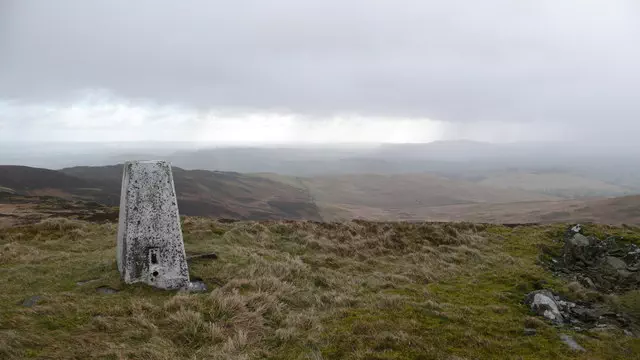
x,y
499,197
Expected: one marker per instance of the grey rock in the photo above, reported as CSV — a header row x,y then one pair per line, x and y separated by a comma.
x,y
578,249
633,254
611,245
615,263
585,314
197,286
542,303
588,283
604,328
577,229
579,240
623,273
30,302
573,345
106,290
530,332
565,306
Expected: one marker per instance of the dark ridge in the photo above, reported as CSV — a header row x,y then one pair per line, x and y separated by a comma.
x,y
200,192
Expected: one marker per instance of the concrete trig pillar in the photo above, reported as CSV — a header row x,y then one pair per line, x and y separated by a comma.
x,y
150,246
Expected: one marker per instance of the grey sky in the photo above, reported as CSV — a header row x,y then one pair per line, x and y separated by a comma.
x,y
550,62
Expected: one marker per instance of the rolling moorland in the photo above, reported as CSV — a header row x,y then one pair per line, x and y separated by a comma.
x,y
504,197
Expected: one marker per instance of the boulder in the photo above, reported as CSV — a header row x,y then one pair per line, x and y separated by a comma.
x,y
572,230
587,283
542,303
106,290
197,286
585,314
615,263
576,249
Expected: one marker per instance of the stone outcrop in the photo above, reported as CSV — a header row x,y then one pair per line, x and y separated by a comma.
x,y
597,267
578,316
605,265
542,303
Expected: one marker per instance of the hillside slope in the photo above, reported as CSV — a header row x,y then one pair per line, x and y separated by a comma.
x,y
412,197
223,194
619,210
556,184
200,193
36,181
387,197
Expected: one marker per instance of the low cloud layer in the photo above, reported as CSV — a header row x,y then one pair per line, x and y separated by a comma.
x,y
409,70
103,117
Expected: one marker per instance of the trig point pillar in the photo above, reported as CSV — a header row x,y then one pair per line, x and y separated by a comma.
x,y
150,246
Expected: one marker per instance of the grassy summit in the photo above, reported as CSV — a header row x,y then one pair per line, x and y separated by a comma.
x,y
295,290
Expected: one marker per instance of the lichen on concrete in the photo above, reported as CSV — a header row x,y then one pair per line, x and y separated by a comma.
x,y
150,246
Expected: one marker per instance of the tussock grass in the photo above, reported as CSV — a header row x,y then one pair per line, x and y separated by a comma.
x,y
290,290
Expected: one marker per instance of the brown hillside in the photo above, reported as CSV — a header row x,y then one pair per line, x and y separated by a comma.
x,y
557,184
394,196
200,193
26,179
615,211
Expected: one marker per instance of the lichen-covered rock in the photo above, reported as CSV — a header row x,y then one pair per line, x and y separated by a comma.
x,y
150,246
542,302
580,250
572,230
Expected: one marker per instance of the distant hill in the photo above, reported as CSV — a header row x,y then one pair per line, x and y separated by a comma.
x,y
581,169
420,197
400,196
35,181
200,193
554,183
618,210
411,197
24,178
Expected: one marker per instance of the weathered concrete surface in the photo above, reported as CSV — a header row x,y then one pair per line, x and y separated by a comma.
x,y
150,246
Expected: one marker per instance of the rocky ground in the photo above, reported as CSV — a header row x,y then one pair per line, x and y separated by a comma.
x,y
598,271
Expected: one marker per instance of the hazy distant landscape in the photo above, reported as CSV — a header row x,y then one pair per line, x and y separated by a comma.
x,y
443,181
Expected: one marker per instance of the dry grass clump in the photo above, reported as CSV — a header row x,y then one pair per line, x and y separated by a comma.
x,y
59,224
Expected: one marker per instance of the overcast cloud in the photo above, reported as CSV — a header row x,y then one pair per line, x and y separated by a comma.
x,y
284,70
